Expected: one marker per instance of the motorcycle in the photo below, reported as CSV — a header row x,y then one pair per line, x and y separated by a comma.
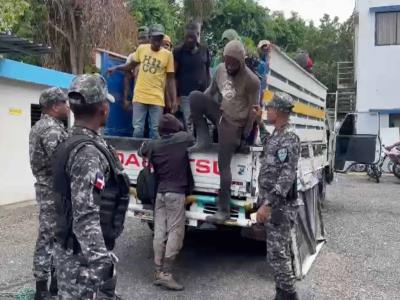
x,y
389,161
394,156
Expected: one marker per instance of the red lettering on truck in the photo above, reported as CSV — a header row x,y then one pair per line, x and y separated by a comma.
x,y
201,166
205,166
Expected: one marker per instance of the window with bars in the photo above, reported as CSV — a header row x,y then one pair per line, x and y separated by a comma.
x,y
36,112
387,30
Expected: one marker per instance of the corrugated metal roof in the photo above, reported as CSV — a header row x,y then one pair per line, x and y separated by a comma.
x,y
11,44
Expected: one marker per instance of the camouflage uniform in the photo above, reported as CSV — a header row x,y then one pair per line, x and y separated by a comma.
x,y
276,178
44,137
80,274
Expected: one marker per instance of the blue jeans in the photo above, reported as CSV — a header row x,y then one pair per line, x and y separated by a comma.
x,y
185,109
140,112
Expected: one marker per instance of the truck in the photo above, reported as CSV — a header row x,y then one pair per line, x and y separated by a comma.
x,y
314,170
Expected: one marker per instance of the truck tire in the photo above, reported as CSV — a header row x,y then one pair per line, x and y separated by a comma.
x,y
396,170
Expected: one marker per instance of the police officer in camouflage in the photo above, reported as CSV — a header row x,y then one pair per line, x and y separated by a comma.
x,y
278,192
84,168
44,137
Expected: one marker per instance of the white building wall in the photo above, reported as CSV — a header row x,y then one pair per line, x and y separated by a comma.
x,y
377,67
16,179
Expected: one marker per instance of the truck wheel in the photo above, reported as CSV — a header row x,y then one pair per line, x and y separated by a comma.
x,y
396,170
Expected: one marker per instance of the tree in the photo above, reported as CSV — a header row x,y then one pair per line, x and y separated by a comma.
x,y
246,16
167,13
10,13
328,44
198,11
76,27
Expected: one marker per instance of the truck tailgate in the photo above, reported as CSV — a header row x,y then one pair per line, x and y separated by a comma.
x,y
204,166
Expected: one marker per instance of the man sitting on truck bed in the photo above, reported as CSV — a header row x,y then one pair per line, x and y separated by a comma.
x,y
173,184
156,72
237,88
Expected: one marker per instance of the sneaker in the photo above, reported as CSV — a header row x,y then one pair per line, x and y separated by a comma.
x,y
157,276
167,281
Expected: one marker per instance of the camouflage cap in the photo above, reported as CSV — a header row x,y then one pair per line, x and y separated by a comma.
x,y
156,30
92,87
143,32
51,96
281,101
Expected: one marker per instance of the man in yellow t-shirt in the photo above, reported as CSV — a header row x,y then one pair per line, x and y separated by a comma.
x,y
156,73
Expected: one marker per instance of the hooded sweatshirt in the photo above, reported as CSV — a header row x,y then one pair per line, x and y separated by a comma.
x,y
237,93
169,156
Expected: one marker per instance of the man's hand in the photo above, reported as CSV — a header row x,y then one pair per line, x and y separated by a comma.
x,y
174,107
263,214
257,110
126,105
110,71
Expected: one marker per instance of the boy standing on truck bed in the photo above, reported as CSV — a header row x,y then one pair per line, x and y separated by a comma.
x,y
173,183
278,192
155,74
237,88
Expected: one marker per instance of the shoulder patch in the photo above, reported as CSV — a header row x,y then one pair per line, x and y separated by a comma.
x,y
99,182
282,154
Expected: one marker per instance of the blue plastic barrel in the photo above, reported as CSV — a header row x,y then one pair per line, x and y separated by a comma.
x,y
119,121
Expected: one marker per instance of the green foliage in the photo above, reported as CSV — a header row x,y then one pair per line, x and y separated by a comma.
x,y
10,13
164,12
199,11
245,16
31,26
287,33
327,43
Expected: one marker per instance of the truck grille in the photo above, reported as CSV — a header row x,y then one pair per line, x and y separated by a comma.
x,y
212,209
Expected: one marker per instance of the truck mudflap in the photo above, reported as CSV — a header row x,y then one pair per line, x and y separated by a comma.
x,y
308,235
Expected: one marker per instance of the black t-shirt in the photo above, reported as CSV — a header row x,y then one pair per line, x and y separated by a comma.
x,y
192,70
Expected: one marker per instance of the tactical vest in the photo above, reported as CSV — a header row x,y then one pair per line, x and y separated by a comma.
x,y
113,200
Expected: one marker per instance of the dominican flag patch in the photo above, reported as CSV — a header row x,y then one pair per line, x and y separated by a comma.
x,y
99,182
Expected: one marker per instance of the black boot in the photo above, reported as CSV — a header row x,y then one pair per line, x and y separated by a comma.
x,y
108,288
203,136
53,283
41,290
293,296
283,295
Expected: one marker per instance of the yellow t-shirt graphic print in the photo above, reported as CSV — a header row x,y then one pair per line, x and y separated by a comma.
x,y
152,76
